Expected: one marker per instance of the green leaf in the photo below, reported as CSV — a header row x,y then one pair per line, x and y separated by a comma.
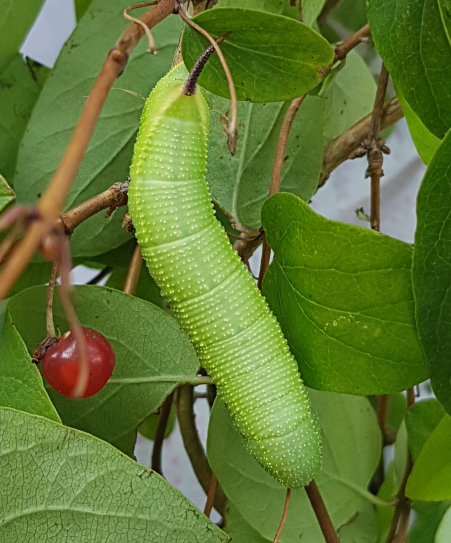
x,y
146,288
310,8
348,424
270,6
241,531
152,357
20,382
427,519
148,428
413,40
350,14
431,270
240,183
397,410
363,529
349,98
81,7
60,485
7,194
444,530
281,67
17,17
425,142
431,473
19,91
343,296
59,107
421,420
36,273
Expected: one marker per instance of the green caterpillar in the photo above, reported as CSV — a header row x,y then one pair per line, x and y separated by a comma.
x,y
237,338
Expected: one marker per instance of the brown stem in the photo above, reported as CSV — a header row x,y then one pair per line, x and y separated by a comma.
x,y
152,46
159,434
264,262
284,516
193,445
133,272
49,309
321,513
341,149
382,412
246,248
344,48
276,177
51,203
375,156
402,509
211,495
233,123
115,196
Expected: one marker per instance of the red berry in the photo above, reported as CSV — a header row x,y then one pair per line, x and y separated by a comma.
x,y
61,363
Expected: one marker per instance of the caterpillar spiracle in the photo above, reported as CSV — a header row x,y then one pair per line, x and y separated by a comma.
x,y
214,297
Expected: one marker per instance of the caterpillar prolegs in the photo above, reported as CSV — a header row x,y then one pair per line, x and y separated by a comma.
x,y
214,297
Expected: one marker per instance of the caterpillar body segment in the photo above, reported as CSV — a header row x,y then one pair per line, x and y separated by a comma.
x,y
214,297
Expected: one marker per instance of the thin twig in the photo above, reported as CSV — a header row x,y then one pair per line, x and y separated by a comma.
x,y
101,275
133,272
233,122
211,495
112,198
276,177
152,46
343,147
402,509
375,147
193,445
165,411
65,265
344,48
284,516
51,203
49,308
321,513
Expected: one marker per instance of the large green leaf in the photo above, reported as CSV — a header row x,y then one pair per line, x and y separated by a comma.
x,y
81,7
443,534
343,296
152,357
16,19
310,8
240,183
7,194
283,65
19,91
20,382
58,109
348,425
425,142
361,529
61,485
427,519
431,473
413,39
270,6
349,98
421,420
432,270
